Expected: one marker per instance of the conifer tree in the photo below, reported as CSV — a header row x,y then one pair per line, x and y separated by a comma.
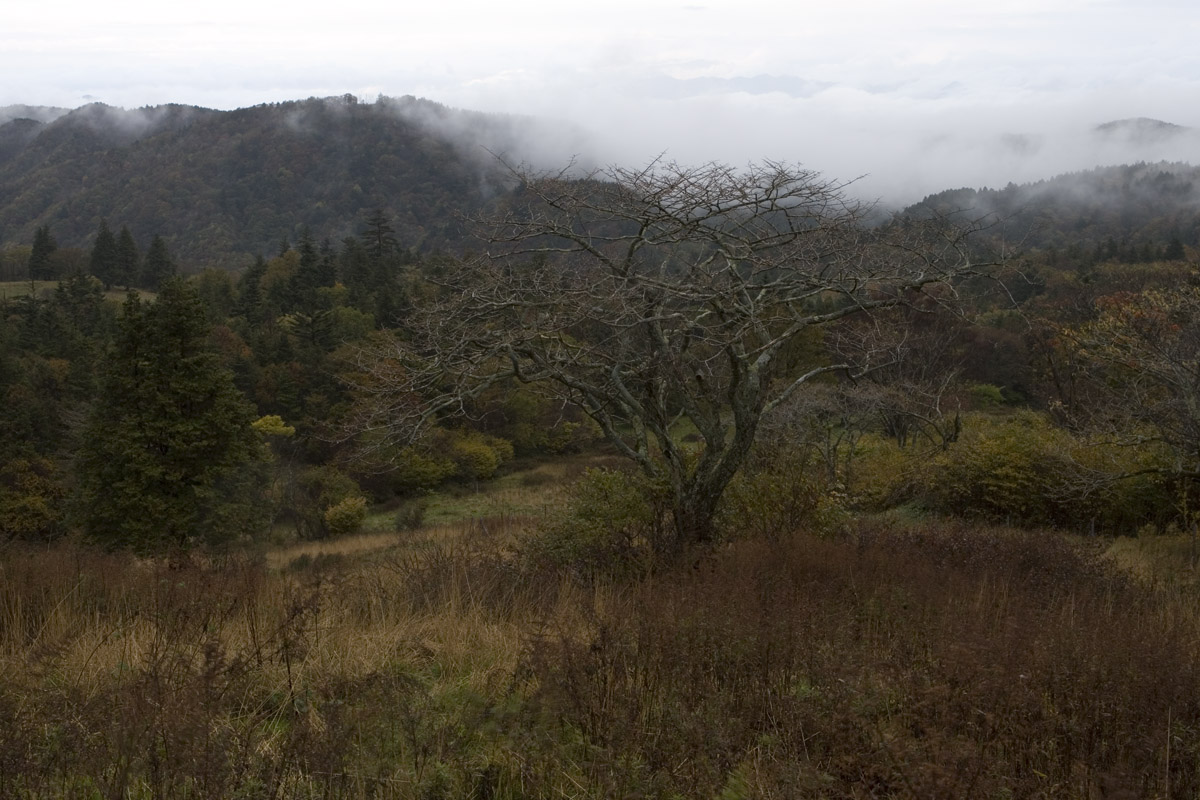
x,y
249,291
169,458
380,237
40,266
316,269
385,256
128,259
105,258
158,266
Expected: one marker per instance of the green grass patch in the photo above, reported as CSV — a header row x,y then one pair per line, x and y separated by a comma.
x,y
527,489
10,290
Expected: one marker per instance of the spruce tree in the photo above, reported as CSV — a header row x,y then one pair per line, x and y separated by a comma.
x,y
380,237
128,260
157,268
250,298
1174,250
41,268
385,256
169,458
316,269
105,259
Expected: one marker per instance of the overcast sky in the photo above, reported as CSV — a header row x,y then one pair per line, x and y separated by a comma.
x,y
917,95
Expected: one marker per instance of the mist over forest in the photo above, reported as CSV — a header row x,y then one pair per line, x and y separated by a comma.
x,y
224,186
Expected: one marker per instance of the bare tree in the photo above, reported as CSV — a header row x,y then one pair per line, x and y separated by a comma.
x,y
664,299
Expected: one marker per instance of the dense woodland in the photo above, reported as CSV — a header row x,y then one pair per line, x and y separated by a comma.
x,y
911,583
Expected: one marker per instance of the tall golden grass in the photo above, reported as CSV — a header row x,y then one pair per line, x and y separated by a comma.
x,y
900,660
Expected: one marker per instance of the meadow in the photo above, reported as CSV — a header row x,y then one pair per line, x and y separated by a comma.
x,y
896,656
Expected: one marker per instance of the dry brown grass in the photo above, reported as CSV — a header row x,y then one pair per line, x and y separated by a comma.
x,y
919,661
155,679
945,661
1159,560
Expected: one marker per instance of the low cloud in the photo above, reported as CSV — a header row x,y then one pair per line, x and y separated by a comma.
x,y
913,97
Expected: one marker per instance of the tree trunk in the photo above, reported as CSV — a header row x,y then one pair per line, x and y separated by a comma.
x,y
693,517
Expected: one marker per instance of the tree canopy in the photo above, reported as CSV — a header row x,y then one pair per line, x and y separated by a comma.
x,y
659,300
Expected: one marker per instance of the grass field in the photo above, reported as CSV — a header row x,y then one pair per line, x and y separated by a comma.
x,y
13,289
900,658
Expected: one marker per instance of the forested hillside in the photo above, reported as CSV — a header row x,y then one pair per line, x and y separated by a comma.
x,y
220,186
1107,212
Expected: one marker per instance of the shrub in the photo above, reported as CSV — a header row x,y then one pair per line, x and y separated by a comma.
x,y
346,516
326,503
414,470
780,490
610,525
478,456
31,492
1024,470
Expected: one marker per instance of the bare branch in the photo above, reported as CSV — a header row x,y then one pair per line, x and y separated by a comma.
x,y
661,296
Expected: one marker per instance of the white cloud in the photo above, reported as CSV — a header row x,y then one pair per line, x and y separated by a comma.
x,y
914,93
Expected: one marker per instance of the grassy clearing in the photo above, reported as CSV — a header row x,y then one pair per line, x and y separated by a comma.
x,y
525,490
913,659
13,289
1158,560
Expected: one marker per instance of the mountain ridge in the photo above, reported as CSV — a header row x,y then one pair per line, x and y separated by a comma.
x,y
224,186
221,186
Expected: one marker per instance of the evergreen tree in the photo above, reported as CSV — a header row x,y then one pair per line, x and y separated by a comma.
x,y
169,457
128,259
105,258
1172,252
316,269
41,268
327,274
250,293
380,237
158,267
385,257
357,272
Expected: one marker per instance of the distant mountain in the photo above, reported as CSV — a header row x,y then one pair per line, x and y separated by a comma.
x,y
220,186
1132,204
1141,130
36,113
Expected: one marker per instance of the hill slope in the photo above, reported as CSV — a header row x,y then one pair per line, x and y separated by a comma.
x,y
220,185
1134,204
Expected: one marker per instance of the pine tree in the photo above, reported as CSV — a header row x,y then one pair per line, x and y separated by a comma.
x,y
316,269
169,458
385,257
1172,252
357,273
105,259
41,268
380,237
158,267
128,259
249,291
